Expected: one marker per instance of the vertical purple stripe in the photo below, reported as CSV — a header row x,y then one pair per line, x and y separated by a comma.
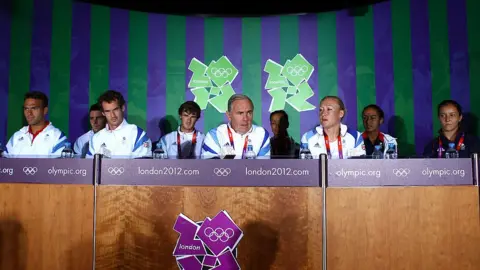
x,y
422,83
195,31
458,44
270,50
5,23
41,46
79,70
383,49
156,88
347,86
232,48
118,72
309,49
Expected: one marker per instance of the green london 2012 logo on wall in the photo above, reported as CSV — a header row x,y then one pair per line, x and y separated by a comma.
x,y
289,84
212,83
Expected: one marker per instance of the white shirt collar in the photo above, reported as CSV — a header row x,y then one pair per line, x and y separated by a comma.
x,y
343,130
248,132
124,123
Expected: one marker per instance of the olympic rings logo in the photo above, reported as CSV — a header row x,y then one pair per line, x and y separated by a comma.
x,y
297,70
401,172
219,234
221,72
116,170
30,170
222,171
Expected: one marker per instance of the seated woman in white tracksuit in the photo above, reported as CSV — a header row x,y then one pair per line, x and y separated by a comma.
x,y
331,137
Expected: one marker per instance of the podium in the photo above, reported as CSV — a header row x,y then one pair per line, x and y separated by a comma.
x,y
276,203
46,214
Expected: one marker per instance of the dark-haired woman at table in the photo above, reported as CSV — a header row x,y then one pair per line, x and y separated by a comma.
x,y
450,116
373,117
281,144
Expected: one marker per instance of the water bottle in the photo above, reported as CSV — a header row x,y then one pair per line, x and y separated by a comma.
x,y
67,152
305,152
159,153
451,152
391,152
377,154
250,154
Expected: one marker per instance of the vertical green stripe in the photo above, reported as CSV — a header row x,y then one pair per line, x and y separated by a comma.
x,y
99,51
213,51
327,55
473,20
20,51
439,54
175,96
60,64
137,68
365,58
289,47
251,64
402,70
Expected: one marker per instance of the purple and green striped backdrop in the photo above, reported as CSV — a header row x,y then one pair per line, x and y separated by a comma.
x,y
406,56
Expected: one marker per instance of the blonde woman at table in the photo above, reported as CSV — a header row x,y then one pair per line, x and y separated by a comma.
x,y
332,137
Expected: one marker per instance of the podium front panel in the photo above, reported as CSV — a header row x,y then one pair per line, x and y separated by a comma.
x,y
46,214
415,220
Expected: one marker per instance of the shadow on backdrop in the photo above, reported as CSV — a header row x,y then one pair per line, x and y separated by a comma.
x,y
80,256
470,123
258,247
397,124
13,245
166,125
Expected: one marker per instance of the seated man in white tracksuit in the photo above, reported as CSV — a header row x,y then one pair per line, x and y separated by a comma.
x,y
97,122
373,117
332,138
234,137
186,142
118,139
40,138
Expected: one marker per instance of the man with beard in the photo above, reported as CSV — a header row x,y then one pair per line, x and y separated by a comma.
x,y
40,138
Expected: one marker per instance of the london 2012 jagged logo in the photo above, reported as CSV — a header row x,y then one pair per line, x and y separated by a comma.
x,y
208,244
212,84
289,84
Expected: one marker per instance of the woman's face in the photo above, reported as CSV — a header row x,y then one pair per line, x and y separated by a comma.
x,y
330,113
449,118
278,124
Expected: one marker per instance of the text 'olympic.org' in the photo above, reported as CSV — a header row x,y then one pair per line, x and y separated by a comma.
x,y
443,172
356,173
67,171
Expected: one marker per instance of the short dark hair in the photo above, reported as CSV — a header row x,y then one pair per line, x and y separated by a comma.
x,y
190,107
283,113
339,102
95,107
110,96
450,102
37,95
377,108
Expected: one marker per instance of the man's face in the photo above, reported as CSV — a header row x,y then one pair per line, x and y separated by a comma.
x,y
371,120
97,121
34,111
188,121
113,112
241,116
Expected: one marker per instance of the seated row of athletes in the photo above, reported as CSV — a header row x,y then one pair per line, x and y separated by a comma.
x,y
112,136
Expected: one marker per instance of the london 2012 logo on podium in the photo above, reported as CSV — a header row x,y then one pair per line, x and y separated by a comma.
x,y
209,244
